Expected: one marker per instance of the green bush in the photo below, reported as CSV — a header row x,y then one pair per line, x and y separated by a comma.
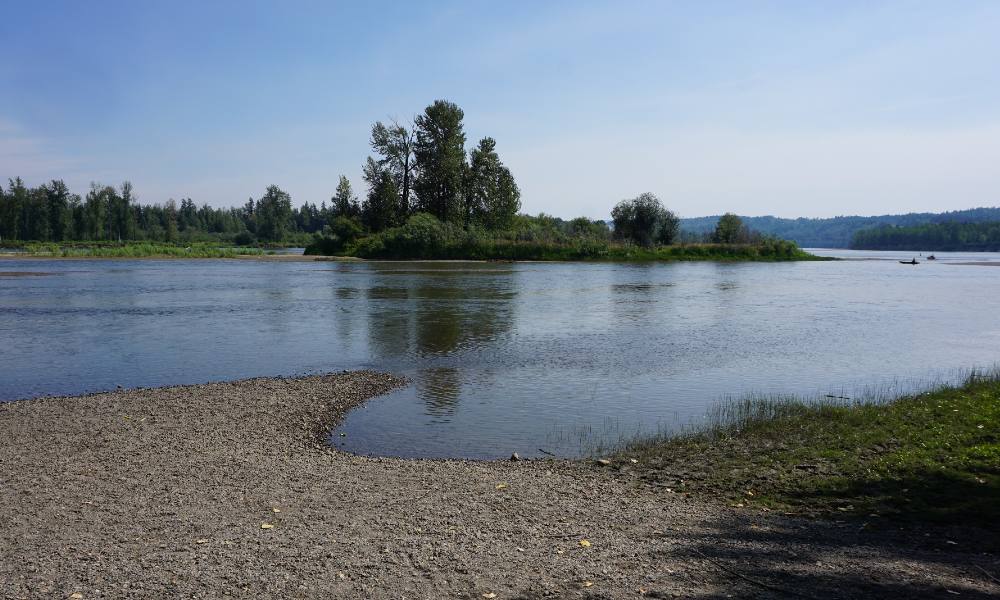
x,y
336,237
422,236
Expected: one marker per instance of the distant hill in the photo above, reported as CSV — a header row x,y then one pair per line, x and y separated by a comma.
x,y
967,237
837,232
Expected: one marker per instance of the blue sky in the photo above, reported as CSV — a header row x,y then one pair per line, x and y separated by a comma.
x,y
786,108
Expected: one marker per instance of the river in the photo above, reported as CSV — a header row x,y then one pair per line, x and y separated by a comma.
x,y
525,357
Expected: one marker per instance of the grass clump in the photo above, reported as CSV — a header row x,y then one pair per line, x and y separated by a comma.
x,y
931,457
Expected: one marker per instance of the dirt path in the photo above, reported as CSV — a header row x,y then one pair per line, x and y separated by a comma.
x,y
166,493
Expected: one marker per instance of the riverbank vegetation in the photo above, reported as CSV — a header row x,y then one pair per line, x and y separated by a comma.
x,y
930,457
136,250
534,238
954,236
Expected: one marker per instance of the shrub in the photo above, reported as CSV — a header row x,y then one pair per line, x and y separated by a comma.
x,y
336,237
645,221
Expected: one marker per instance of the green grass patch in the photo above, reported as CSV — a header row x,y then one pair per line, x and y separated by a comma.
x,y
932,457
136,250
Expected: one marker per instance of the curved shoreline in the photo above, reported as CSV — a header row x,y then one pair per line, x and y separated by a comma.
x,y
173,492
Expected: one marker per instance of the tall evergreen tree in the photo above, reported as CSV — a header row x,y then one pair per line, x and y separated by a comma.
x,y
439,149
38,225
492,198
5,218
170,221
14,222
60,214
381,208
345,203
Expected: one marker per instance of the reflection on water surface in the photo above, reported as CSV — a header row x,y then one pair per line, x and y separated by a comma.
x,y
502,357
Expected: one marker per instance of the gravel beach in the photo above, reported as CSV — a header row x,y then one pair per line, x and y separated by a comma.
x,y
229,490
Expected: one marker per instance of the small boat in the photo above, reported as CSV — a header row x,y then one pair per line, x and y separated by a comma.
x,y
931,257
909,262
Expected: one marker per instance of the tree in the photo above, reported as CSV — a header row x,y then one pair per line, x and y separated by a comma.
x,y
122,216
273,211
187,216
6,220
170,221
395,144
60,214
584,227
729,230
95,212
381,208
439,150
492,198
645,221
37,221
78,223
345,203
12,224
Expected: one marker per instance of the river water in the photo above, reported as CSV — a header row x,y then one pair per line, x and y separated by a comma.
x,y
560,357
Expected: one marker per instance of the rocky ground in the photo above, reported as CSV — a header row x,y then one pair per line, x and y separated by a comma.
x,y
229,490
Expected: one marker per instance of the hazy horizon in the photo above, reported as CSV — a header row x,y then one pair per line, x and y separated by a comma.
x,y
780,109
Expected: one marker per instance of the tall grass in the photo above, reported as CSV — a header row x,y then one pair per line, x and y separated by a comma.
x,y
744,412
138,250
928,454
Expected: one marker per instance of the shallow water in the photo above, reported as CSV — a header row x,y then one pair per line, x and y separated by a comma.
x,y
519,357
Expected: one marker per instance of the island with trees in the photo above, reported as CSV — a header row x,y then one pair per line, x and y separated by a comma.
x,y
427,197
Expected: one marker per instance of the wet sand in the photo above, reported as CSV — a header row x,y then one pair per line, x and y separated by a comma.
x,y
229,489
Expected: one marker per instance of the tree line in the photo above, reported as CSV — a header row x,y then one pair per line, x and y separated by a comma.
x,y
51,213
980,237
837,232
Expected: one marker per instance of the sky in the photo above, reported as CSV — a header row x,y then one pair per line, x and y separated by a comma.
x,y
787,108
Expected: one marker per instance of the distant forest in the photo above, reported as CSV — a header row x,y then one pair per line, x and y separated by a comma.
x,y
51,213
978,237
838,232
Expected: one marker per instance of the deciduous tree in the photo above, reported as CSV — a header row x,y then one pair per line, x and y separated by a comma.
x,y
394,144
645,221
